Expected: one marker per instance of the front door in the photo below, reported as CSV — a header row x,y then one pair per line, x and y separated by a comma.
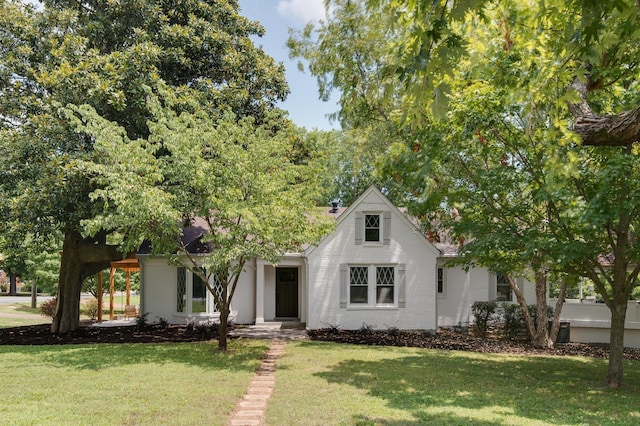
x,y
287,292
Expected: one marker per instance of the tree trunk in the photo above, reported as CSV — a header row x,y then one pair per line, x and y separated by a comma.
x,y
81,257
616,345
13,283
555,325
67,316
222,330
541,337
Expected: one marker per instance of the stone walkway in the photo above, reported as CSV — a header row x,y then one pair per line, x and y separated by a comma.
x,y
250,411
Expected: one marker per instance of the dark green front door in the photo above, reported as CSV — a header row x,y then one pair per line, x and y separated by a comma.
x,y
286,292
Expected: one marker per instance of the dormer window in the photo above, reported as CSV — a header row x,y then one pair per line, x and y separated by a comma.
x,y
372,228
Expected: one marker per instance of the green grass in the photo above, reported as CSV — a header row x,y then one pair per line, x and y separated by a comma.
x,y
20,314
323,383
32,316
19,308
119,300
147,384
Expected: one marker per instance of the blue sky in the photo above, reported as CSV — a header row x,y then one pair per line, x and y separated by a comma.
x,y
277,16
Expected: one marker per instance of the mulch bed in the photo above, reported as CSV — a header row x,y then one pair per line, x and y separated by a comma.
x,y
448,340
41,335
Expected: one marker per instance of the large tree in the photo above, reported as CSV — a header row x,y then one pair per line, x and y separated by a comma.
x,y
566,74
112,56
245,187
569,70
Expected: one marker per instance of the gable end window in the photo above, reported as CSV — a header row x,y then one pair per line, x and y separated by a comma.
x,y
372,228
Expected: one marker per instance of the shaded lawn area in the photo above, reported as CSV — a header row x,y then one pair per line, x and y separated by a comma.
x,y
107,384
320,383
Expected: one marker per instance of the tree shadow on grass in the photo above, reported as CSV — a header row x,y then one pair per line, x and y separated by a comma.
x,y
448,387
242,356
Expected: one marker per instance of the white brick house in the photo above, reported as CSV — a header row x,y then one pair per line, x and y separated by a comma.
x,y
375,268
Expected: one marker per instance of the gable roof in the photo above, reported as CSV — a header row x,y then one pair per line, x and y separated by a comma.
x,y
373,190
191,237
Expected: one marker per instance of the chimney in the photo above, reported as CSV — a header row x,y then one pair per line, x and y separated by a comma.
x,y
334,206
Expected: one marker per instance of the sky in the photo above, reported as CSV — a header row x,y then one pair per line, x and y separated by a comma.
x,y
277,16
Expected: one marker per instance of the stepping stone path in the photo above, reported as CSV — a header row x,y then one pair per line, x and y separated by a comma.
x,y
251,409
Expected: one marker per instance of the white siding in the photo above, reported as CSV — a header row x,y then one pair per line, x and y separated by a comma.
x,y
159,293
591,322
406,246
243,305
461,290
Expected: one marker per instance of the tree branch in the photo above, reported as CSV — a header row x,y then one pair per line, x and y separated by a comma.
x,y
603,130
98,253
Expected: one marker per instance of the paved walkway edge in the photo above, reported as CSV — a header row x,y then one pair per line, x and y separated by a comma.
x,y
250,411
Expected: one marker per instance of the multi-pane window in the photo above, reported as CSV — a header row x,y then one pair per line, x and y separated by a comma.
x,y
182,290
372,228
193,295
440,280
218,284
503,289
384,284
359,284
198,295
365,281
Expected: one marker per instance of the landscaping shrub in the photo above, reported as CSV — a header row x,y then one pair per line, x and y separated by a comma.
x,y
48,308
513,320
366,328
142,322
162,323
483,313
91,308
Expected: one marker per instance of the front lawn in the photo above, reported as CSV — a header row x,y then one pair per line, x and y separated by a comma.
x,y
109,384
319,383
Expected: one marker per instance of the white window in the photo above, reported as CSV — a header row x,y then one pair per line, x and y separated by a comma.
x,y
372,228
385,279
193,296
372,285
359,285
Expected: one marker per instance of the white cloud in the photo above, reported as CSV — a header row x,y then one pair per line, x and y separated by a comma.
x,y
302,11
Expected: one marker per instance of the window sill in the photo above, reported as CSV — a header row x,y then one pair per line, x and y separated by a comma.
x,y
196,315
372,308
